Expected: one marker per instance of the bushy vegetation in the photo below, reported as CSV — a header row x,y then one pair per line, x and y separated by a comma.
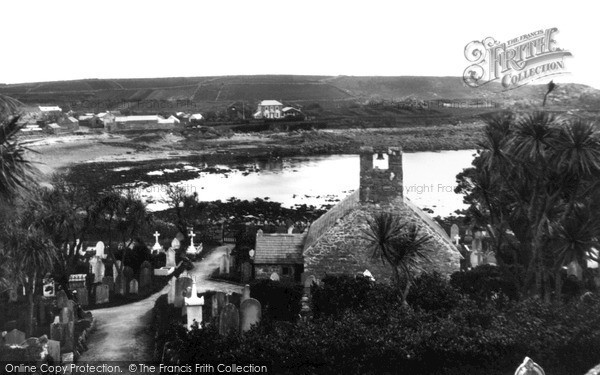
x,y
360,327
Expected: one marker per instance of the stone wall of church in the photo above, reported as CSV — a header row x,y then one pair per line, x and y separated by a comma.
x,y
343,249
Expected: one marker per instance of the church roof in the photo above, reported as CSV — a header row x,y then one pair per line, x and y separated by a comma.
x,y
279,248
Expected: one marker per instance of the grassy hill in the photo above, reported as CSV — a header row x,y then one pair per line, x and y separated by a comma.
x,y
204,93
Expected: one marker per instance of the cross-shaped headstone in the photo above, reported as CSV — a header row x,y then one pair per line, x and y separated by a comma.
x,y
192,235
156,245
456,239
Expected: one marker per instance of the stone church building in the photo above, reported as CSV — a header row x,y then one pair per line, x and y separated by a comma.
x,y
335,244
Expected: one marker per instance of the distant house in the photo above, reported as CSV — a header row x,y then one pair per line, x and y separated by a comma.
x,y
102,119
142,122
196,117
50,109
69,123
269,109
291,112
279,253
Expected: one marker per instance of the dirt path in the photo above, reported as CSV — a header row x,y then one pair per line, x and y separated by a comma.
x,y
122,332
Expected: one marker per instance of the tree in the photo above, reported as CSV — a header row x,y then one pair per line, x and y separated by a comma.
x,y
532,179
30,249
399,245
16,172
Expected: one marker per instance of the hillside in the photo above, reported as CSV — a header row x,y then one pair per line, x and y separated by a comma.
x,y
205,93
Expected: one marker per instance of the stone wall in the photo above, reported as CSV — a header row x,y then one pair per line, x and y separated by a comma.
x,y
380,185
343,249
328,219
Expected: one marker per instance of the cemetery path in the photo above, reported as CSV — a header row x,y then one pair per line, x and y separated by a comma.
x,y
122,332
203,269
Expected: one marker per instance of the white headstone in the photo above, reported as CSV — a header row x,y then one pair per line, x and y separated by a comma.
x,y
100,250
274,276
171,293
156,246
171,258
175,244
193,306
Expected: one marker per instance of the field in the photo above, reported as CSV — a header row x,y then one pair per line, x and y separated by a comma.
x,y
216,93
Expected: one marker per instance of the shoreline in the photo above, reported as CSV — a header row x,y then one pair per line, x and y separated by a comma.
x,y
56,153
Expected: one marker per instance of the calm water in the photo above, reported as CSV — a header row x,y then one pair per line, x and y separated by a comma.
x,y
429,180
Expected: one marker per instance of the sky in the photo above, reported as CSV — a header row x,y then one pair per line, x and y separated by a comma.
x,y
64,40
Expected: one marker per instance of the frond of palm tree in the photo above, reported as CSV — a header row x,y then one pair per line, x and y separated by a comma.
x,y
16,172
533,136
8,107
577,149
496,135
400,245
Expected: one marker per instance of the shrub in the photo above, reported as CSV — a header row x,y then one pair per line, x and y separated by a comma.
x,y
339,293
279,300
486,282
431,292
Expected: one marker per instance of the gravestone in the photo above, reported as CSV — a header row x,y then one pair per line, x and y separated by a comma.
x,y
68,337
156,246
193,307
222,265
102,294
229,320
454,234
109,281
274,276
250,313
226,262
99,271
93,263
251,253
14,337
179,237
246,272
100,250
175,244
221,301
13,296
171,293
171,258
121,285
133,286
146,275
214,306
56,330
66,315
246,292
61,299
41,311
128,273
82,296
181,290
53,348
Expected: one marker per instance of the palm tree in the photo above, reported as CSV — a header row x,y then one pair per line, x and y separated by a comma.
x,y
399,245
15,170
29,247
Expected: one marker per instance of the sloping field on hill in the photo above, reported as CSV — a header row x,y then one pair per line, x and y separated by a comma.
x,y
219,91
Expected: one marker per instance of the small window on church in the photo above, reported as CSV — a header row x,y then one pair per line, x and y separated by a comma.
x,y
285,271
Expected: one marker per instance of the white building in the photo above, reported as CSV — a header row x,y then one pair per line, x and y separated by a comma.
x,y
269,109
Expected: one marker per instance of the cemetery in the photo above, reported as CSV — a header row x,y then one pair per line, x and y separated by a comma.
x,y
372,285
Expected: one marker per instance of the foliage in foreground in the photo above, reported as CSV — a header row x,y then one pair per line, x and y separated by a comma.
x,y
456,336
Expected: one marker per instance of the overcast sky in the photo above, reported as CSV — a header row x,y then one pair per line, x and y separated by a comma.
x,y
62,40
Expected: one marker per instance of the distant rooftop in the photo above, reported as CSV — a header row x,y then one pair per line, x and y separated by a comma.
x,y
270,102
